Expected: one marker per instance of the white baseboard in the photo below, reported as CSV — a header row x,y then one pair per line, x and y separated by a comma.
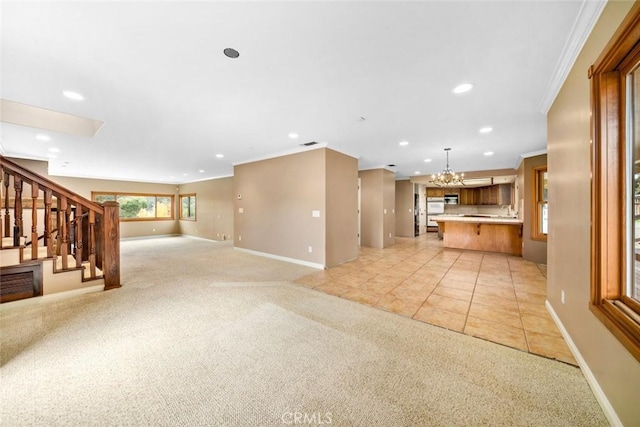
x,y
202,238
282,258
155,236
608,410
45,299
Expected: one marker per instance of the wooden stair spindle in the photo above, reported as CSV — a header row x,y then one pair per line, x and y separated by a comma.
x,y
63,234
58,222
78,236
7,217
34,220
92,244
48,195
17,210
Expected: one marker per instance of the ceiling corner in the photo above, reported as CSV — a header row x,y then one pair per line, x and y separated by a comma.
x,y
585,21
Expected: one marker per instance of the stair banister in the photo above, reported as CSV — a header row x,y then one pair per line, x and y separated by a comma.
x,y
102,233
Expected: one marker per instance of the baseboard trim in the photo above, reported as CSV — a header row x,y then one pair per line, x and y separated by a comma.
x,y
201,238
155,236
608,410
45,299
281,258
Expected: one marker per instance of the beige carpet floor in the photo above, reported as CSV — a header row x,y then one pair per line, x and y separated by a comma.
x,y
204,335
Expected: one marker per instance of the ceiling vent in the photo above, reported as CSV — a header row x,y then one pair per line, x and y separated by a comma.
x,y
309,144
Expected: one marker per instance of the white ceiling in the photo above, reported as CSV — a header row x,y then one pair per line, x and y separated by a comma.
x,y
155,74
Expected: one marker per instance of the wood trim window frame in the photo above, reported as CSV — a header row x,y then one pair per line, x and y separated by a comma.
x,y
609,266
189,218
95,194
538,202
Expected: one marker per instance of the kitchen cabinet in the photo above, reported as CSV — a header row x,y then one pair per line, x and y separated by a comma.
x,y
499,194
435,192
468,196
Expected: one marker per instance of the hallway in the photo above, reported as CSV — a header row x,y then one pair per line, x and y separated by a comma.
x,y
496,297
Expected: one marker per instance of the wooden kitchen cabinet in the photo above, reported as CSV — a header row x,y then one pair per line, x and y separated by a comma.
x,y
468,196
435,192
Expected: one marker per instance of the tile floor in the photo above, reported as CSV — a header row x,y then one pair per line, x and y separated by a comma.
x,y
492,296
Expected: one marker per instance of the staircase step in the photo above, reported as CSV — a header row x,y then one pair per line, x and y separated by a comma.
x,y
7,242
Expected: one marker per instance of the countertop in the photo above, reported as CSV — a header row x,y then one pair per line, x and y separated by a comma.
x,y
476,218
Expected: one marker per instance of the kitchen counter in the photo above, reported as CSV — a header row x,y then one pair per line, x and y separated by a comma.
x,y
481,232
477,218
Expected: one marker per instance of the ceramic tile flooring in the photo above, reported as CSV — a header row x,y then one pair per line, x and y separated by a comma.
x,y
497,297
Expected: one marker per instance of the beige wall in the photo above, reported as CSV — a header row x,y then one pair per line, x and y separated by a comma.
x,y
617,372
404,208
214,209
377,208
84,187
278,197
532,250
341,207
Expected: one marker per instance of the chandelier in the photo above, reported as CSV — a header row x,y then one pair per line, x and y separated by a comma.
x,y
447,177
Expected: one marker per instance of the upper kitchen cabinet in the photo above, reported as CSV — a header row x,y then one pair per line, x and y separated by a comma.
x,y
435,192
468,196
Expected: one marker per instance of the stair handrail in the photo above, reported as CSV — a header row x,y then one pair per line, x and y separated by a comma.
x,y
108,250
31,177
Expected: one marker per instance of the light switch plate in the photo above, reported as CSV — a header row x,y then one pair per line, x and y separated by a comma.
x,y
315,214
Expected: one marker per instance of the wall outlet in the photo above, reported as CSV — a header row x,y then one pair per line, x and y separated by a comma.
x,y
310,249
315,214
240,238
385,211
240,210
389,234
154,229
562,297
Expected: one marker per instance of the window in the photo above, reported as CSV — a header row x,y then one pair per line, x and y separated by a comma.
x,y
188,207
615,200
540,224
139,207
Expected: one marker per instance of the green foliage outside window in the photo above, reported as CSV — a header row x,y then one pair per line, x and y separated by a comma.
x,y
139,206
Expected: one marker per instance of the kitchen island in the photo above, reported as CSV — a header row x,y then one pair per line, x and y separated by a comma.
x,y
489,233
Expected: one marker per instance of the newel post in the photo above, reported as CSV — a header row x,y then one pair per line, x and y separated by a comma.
x,y
111,232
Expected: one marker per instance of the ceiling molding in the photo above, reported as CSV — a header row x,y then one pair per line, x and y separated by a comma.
x,y
584,23
529,154
296,150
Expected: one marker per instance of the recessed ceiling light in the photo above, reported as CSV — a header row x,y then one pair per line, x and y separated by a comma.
x,y
201,171
293,135
41,137
403,143
54,150
185,174
73,95
231,53
485,129
51,156
361,118
427,160
462,88
220,156
417,172
488,153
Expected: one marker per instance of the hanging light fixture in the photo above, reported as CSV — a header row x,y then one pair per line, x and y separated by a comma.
x,y
447,177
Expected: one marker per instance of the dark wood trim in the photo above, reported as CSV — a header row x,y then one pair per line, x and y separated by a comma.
x,y
34,268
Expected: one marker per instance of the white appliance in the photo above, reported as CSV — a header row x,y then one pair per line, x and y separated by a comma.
x,y
435,206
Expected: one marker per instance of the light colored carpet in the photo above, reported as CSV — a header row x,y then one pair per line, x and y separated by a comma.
x,y
201,334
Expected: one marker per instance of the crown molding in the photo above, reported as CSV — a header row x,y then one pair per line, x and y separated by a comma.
x,y
585,21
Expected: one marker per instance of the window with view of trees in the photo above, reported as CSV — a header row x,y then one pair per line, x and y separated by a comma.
x,y
139,207
540,204
188,206
615,203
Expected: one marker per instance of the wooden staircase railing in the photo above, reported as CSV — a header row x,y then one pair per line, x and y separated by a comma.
x,y
85,229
